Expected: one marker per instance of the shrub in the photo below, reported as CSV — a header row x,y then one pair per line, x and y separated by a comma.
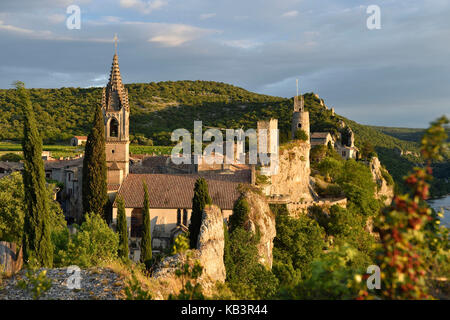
x,y
93,244
11,157
301,135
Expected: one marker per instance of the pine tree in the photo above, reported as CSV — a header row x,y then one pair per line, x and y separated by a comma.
x,y
95,192
199,201
37,245
146,240
122,229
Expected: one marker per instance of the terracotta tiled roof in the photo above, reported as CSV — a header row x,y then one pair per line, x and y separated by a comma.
x,y
55,164
81,137
113,187
177,190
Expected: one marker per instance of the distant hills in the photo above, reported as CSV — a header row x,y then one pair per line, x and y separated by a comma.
x,y
159,108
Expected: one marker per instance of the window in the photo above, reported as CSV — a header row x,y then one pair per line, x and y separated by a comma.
x,y
185,216
178,217
114,128
299,125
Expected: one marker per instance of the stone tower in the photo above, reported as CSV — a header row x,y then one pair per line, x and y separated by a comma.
x,y
116,113
300,118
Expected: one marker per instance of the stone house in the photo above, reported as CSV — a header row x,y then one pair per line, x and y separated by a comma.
x,y
78,140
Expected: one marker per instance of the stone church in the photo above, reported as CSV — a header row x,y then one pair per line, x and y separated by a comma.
x,y
170,193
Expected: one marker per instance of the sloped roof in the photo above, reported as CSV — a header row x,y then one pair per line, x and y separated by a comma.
x,y
81,137
177,190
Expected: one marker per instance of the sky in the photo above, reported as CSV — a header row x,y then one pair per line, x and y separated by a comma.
x,y
397,75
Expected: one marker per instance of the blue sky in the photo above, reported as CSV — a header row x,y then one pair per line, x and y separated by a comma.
x,y
398,75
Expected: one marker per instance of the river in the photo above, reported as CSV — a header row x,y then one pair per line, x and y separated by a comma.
x,y
442,203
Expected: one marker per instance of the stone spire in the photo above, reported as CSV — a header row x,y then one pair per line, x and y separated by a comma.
x,y
115,96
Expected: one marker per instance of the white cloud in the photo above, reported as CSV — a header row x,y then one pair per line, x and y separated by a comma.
x,y
242,44
144,7
173,35
289,14
207,16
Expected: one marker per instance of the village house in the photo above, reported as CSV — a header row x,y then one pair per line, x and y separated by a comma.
x,y
321,139
78,140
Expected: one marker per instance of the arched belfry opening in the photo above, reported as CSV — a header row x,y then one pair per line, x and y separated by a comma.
x,y
114,128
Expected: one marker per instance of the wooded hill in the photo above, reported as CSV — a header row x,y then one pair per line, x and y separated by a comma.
x,y
159,108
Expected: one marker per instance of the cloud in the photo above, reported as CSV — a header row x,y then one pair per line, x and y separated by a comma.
x,y
242,44
173,35
290,14
145,7
205,16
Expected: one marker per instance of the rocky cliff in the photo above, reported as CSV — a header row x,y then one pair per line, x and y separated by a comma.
x,y
209,252
261,219
384,189
293,175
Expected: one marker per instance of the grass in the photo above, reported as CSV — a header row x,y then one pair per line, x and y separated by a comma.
x,y
158,150
58,151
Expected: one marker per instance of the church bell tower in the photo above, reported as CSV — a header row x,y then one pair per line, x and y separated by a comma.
x,y
116,114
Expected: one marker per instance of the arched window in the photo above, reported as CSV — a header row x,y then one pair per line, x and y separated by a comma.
x,y
136,223
185,216
178,217
114,128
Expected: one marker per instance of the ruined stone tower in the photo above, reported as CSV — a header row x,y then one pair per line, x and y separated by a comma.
x,y
300,118
116,113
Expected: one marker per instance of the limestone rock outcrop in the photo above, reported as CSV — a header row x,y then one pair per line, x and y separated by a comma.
x,y
209,252
262,219
211,244
294,170
383,189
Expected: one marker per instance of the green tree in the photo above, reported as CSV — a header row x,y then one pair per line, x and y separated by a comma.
x,y
199,201
95,192
37,238
122,229
12,209
240,213
93,244
146,240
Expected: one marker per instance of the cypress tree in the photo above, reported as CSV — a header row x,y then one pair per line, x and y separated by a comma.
x,y
199,201
240,213
37,243
122,229
95,190
146,240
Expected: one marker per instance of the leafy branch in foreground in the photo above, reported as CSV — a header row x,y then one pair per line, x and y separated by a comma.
x,y
402,226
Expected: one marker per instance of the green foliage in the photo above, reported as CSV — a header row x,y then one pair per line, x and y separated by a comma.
x,y
199,201
335,276
36,238
36,282
180,244
403,229
134,290
330,167
318,153
94,243
146,240
241,210
297,243
246,277
301,135
189,275
95,191
122,229
11,157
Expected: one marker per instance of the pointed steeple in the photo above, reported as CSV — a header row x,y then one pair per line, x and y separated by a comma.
x,y
115,96
299,106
